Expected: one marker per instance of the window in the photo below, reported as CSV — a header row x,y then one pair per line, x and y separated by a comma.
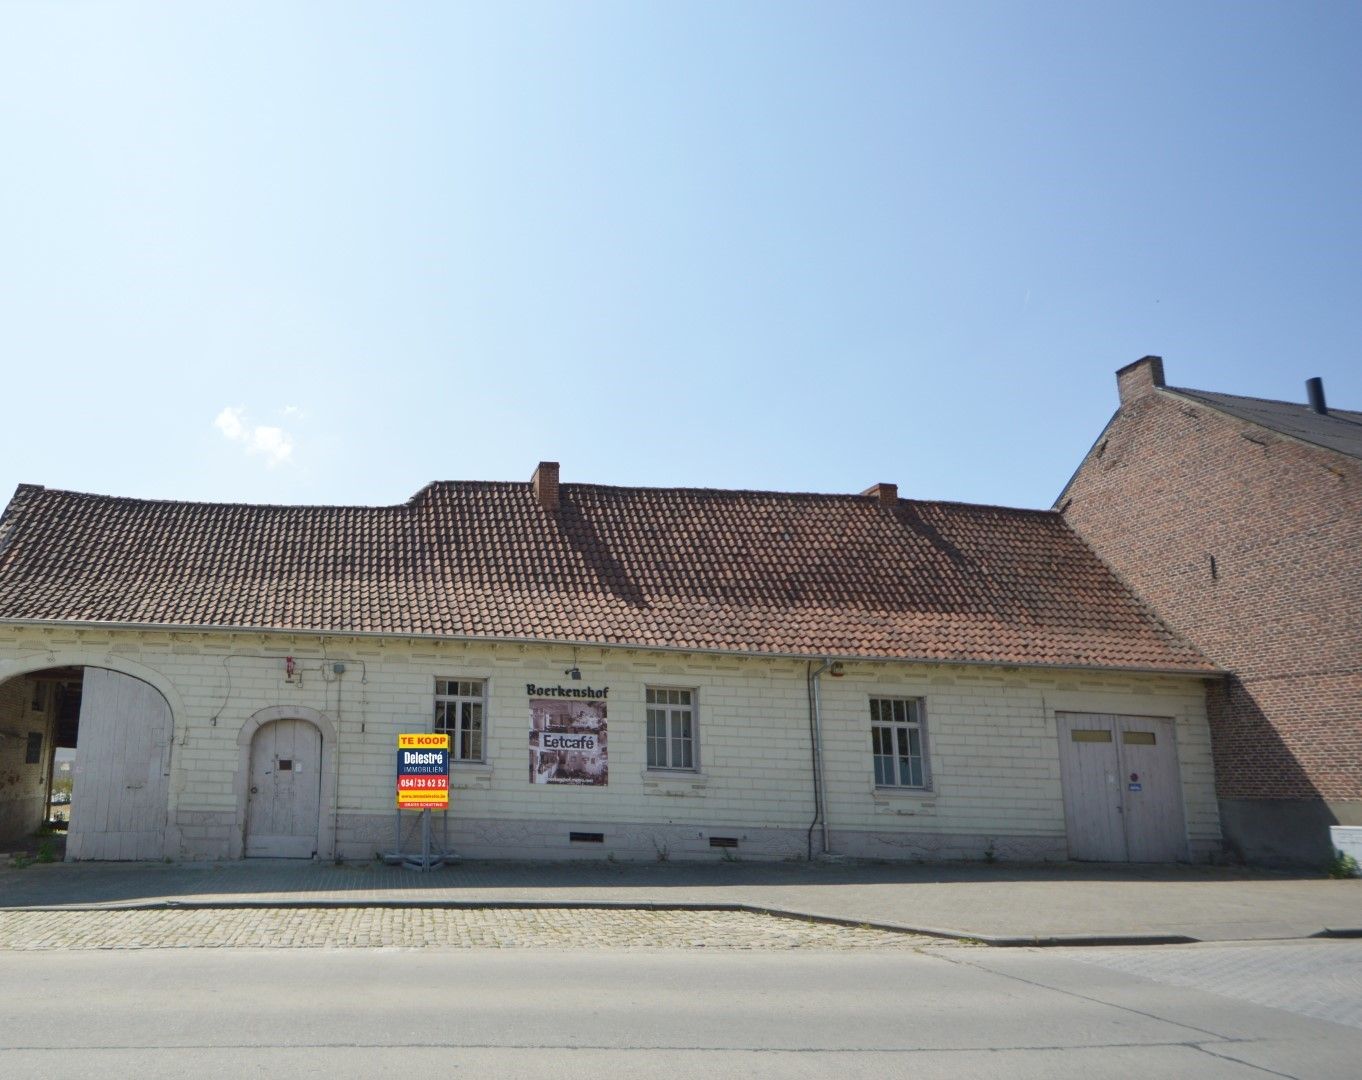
x,y
671,729
33,753
897,733
460,705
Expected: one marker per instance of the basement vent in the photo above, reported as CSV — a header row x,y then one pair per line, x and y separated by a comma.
x,y
587,837
723,841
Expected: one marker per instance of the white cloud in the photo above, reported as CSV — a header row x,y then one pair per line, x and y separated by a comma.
x,y
229,423
274,444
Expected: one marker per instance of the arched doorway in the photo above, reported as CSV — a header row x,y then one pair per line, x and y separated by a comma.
x,y
283,799
38,713
101,727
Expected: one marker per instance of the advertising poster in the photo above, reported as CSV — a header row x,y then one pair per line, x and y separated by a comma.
x,y
567,742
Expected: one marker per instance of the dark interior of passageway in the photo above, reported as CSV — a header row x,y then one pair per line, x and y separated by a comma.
x,y
41,711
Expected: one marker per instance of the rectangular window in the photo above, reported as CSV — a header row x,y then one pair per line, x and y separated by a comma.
x,y
897,734
33,753
671,729
460,711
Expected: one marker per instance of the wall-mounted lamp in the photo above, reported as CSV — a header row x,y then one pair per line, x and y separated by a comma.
x,y
574,673
836,670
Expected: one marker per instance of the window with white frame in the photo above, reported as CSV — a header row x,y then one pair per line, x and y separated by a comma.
x,y
460,708
898,740
671,729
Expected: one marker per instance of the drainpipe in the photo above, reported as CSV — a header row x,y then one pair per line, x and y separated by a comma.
x,y
820,789
335,821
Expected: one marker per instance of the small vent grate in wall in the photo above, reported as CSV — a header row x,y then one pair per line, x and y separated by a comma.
x,y
723,841
586,837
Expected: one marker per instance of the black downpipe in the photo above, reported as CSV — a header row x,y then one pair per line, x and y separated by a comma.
x,y
813,759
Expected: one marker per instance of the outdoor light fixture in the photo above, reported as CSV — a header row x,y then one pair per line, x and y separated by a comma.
x,y
574,673
836,670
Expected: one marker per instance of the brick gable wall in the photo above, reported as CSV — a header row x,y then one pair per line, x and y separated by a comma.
x,y
1248,543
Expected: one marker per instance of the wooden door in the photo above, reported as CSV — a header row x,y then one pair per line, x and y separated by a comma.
x,y
1151,790
1089,767
121,770
1122,791
284,800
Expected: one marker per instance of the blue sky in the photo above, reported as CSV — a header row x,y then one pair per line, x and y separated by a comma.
x,y
326,253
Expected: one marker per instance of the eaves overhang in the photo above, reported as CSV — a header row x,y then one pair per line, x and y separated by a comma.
x,y
1210,671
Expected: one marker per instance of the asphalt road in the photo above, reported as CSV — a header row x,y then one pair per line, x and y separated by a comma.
x,y
943,1011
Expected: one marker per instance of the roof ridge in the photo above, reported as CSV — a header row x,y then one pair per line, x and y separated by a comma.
x,y
1333,410
209,504
515,485
716,491
422,495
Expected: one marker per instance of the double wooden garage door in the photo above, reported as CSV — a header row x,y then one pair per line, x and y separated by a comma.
x,y
1122,794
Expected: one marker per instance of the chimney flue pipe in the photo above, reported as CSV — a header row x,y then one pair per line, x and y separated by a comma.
x,y
1315,388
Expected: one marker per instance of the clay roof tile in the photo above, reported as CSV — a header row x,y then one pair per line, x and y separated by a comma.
x,y
758,572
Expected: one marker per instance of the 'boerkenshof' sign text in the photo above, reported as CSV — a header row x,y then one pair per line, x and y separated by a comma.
x,y
567,691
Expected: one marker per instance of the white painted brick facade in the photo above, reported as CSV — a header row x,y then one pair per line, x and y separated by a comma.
x,y
994,761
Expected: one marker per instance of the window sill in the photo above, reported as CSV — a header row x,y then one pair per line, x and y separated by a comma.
x,y
470,774
674,782
905,801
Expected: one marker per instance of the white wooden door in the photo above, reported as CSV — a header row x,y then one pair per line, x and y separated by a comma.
x,y
284,801
1151,792
1089,768
1122,792
121,770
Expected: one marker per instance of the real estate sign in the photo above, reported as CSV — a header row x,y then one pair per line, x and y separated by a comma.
x,y
423,771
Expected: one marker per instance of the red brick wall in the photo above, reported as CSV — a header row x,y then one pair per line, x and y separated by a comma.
x,y
1174,483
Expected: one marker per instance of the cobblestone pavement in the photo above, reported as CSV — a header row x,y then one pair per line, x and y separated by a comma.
x,y
489,928
1321,979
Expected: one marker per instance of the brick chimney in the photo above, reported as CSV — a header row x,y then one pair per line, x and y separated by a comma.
x,y
544,483
888,494
1140,379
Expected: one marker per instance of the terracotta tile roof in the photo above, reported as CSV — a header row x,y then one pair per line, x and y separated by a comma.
x,y
744,571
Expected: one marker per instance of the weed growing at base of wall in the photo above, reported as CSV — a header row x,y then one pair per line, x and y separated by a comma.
x,y
1343,865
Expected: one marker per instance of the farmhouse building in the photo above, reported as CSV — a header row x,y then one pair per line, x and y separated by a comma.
x,y
639,672
1240,522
